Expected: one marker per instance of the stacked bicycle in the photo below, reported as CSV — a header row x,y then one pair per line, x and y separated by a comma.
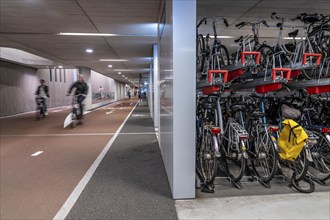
x,y
238,133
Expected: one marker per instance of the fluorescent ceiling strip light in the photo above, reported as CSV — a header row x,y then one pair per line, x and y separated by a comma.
x,y
123,70
291,38
113,60
89,34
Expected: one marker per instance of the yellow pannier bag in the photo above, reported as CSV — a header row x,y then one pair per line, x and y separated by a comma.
x,y
291,140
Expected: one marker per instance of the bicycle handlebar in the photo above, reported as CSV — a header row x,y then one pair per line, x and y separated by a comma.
x,y
254,23
240,24
201,21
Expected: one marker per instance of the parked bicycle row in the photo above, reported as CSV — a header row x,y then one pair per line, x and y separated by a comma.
x,y
308,58
260,136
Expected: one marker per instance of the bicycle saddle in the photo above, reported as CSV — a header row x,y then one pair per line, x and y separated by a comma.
x,y
308,109
238,107
209,105
310,19
258,114
293,33
239,39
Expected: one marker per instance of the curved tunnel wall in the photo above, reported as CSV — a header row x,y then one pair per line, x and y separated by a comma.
x,y
18,84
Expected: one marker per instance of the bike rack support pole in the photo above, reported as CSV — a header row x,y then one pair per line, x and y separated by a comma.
x,y
285,70
211,72
318,55
244,53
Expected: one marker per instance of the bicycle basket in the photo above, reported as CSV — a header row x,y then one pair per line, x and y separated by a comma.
x,y
289,112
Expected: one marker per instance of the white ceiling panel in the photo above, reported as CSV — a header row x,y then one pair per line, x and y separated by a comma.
x,y
33,25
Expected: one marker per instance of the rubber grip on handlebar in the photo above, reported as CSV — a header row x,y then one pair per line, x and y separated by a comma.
x,y
240,24
243,54
318,55
224,72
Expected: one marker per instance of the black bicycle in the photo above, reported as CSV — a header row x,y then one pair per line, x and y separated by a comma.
x,y
41,108
211,54
77,110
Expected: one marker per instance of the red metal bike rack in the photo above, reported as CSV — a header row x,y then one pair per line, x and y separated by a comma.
x,y
286,72
208,90
318,89
268,88
211,72
244,53
235,73
295,73
274,86
318,55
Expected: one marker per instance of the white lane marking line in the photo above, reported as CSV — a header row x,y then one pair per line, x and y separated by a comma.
x,y
36,153
139,115
59,110
108,113
118,108
67,206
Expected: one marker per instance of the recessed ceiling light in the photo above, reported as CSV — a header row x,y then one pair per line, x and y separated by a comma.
x,y
109,65
89,51
123,75
60,67
119,73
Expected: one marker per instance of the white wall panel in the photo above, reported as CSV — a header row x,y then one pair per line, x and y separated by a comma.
x,y
177,95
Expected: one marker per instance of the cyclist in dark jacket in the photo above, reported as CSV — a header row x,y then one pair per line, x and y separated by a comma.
x,y
43,94
81,90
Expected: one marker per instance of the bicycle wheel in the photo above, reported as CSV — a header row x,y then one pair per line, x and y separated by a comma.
x,y
220,57
266,57
200,50
320,43
265,162
38,115
319,168
233,155
207,158
298,167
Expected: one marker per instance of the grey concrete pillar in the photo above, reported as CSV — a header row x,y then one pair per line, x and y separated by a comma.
x,y
184,96
155,86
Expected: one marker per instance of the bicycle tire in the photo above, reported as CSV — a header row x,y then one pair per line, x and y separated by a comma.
x,y
233,158
319,168
295,184
265,162
299,166
38,116
200,59
323,47
220,58
318,29
208,160
266,53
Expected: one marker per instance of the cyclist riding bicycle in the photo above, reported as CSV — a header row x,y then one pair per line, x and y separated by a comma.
x,y
81,89
42,94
